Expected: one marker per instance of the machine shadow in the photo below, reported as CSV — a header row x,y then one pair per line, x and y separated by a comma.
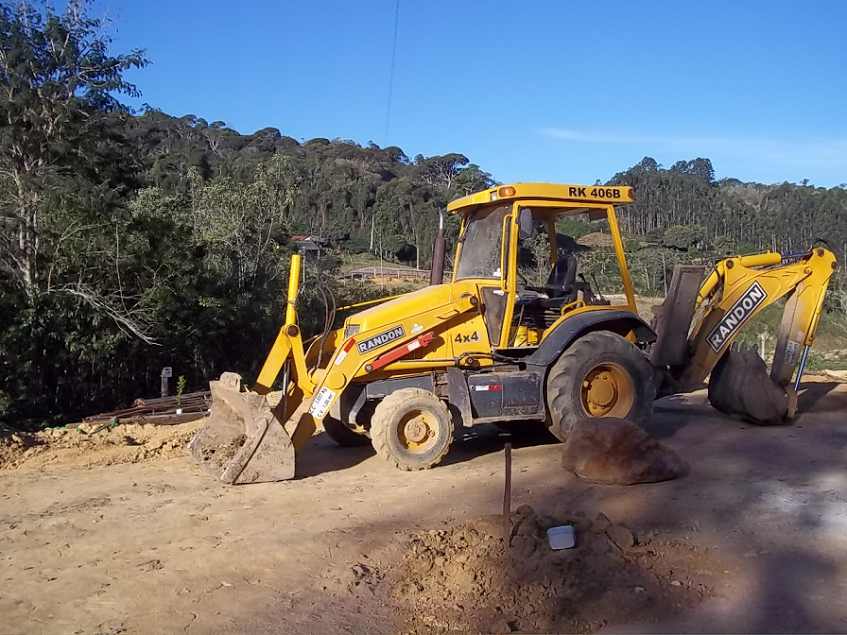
x,y
671,416
322,455
484,439
812,395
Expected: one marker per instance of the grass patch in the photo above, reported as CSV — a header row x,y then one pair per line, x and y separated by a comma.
x,y
818,362
351,262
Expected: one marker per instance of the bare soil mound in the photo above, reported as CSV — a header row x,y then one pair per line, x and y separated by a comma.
x,y
93,445
462,579
596,239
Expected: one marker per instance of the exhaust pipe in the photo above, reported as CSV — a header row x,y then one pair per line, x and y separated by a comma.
x,y
436,272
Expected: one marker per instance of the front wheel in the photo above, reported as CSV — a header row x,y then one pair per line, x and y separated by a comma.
x,y
601,375
412,429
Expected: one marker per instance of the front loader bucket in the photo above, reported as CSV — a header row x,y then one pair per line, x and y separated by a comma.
x,y
740,386
242,442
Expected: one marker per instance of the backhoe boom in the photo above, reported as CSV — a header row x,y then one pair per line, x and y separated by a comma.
x,y
731,296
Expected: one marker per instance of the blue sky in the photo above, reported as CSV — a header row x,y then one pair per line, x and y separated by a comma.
x,y
549,90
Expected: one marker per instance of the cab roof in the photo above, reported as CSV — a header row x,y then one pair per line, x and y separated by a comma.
x,y
569,197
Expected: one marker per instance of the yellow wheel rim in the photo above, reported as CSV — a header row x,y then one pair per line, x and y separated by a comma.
x,y
417,431
607,391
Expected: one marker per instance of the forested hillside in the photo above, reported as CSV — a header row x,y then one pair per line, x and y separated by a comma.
x,y
131,241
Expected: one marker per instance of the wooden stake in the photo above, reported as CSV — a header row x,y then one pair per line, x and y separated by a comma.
x,y
507,498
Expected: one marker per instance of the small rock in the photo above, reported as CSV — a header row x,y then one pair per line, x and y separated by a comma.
x,y
440,561
526,511
500,626
544,625
527,527
621,536
524,545
17,439
601,523
225,584
640,589
676,583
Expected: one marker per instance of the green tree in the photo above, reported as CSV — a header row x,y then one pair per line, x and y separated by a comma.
x,y
684,237
58,83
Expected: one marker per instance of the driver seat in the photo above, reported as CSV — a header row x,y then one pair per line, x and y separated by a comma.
x,y
561,283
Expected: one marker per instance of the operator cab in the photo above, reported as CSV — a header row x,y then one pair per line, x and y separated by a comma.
x,y
520,243
555,282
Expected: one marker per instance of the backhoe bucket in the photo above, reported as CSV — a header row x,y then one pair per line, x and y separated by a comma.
x,y
740,386
242,442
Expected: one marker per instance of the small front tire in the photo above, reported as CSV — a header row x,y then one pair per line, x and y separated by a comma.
x,y
412,429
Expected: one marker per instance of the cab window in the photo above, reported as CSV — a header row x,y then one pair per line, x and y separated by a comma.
x,y
480,244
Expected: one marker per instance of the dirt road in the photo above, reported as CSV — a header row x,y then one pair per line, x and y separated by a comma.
x,y
154,545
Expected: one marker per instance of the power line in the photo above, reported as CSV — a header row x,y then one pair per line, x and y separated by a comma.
x,y
391,72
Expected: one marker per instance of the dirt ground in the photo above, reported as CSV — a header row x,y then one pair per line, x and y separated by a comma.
x,y
120,532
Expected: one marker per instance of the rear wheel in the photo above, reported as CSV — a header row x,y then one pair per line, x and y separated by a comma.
x,y
601,375
412,429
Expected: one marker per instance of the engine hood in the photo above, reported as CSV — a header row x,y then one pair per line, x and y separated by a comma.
x,y
408,305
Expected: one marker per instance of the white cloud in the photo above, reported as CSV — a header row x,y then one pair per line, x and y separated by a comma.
x,y
829,153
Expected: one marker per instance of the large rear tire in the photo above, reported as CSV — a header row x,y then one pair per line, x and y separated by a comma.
x,y
412,429
601,375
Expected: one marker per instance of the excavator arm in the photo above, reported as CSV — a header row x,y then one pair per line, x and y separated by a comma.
x,y
689,349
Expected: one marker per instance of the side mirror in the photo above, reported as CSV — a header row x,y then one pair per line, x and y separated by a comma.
x,y
526,228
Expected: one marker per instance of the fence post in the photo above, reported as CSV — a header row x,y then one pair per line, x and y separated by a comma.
x,y
167,373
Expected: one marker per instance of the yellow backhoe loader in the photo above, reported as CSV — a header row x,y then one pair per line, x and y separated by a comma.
x,y
517,341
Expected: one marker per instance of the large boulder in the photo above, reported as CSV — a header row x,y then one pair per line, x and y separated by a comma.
x,y
618,452
739,386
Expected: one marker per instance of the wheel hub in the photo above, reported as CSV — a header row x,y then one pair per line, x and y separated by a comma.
x,y
602,391
606,391
416,430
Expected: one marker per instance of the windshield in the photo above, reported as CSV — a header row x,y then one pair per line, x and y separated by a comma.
x,y
479,256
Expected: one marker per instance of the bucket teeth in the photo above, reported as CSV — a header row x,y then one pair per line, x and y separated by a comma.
x,y
740,386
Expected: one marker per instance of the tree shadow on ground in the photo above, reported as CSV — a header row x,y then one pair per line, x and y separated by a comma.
x,y
770,502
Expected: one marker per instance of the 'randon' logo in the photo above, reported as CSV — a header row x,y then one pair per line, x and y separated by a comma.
x,y
366,346
736,316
